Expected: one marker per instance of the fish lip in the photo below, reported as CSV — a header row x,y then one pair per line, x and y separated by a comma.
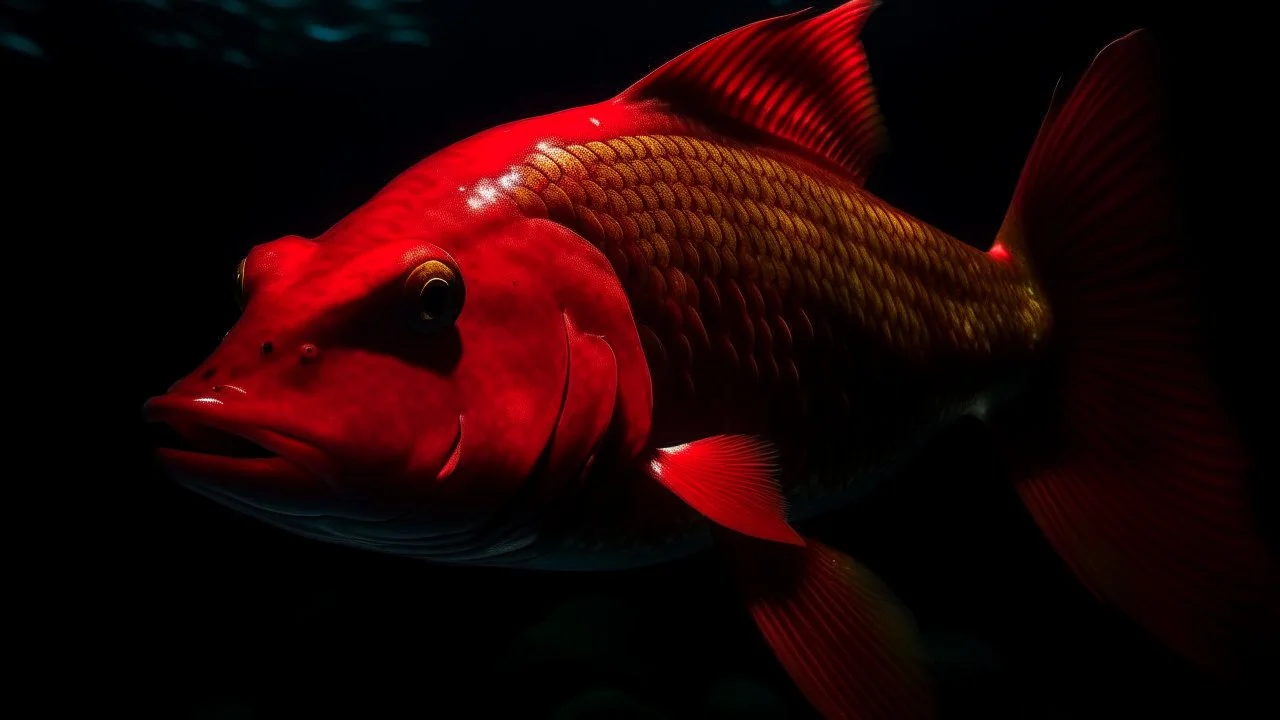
x,y
213,463
292,453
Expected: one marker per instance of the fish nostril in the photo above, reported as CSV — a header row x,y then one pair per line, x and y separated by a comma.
x,y
267,347
208,373
309,352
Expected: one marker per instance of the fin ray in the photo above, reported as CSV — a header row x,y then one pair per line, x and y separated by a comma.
x,y
837,630
796,79
1125,454
731,480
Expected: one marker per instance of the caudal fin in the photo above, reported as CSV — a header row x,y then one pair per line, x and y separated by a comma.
x,y
1125,454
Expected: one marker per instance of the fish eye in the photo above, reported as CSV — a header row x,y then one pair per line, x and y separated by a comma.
x,y
435,293
240,295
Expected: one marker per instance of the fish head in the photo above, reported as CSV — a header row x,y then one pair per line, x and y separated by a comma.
x,y
401,390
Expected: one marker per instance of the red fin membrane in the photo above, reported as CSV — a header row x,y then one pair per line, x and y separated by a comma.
x,y
846,642
729,479
803,80
1126,458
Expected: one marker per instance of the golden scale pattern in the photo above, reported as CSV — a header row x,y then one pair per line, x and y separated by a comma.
x,y
689,224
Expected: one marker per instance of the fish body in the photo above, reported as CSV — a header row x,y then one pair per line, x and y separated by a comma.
x,y
620,333
774,298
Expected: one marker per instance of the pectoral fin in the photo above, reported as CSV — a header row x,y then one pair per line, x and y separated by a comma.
x,y
731,479
844,639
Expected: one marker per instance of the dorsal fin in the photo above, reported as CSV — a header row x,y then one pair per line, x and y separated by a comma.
x,y
803,80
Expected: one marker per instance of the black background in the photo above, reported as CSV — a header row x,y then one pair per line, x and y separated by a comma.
x,y
152,170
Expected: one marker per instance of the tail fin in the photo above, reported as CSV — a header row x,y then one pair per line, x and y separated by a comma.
x,y
1126,458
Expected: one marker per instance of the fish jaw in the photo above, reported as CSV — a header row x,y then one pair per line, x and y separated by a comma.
x,y
233,455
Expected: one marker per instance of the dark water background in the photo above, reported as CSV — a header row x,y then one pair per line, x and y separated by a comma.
x,y
169,137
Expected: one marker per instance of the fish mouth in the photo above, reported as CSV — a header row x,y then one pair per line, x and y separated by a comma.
x,y
205,444
199,428
186,437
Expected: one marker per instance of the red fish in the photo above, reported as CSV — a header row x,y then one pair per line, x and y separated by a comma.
x,y
625,332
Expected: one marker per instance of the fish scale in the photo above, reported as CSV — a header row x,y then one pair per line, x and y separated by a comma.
x,y
684,202
752,282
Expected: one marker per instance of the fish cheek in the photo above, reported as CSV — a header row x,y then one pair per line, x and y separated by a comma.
x,y
372,409
390,333
511,374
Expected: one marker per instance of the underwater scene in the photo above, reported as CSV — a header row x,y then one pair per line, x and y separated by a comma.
x,y
650,359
